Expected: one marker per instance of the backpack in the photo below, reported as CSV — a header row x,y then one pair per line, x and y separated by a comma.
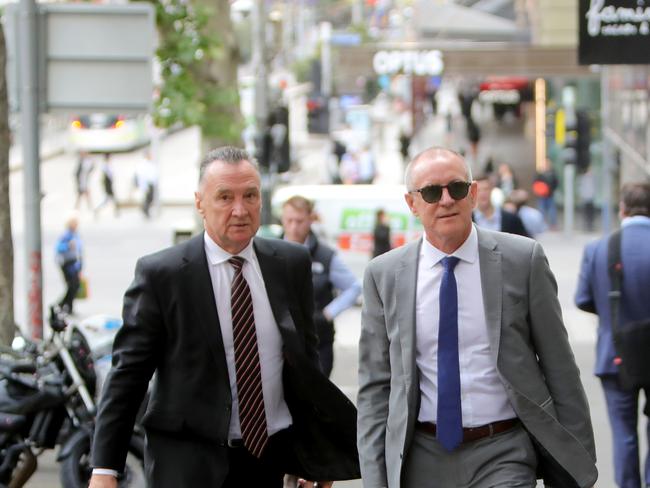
x,y
65,253
541,188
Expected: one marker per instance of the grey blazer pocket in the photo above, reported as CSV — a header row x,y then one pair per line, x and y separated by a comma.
x,y
548,405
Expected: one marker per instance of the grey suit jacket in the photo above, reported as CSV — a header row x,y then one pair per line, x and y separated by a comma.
x,y
529,347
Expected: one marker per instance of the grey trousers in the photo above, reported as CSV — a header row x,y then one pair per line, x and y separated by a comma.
x,y
506,460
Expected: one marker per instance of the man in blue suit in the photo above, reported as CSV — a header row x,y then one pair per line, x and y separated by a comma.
x,y
592,296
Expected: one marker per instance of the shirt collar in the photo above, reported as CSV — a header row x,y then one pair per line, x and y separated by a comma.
x,y
635,219
468,251
217,255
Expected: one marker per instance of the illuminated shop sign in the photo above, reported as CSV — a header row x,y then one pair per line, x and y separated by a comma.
x,y
614,31
424,63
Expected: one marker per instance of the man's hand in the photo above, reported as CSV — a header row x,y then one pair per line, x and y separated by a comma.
x,y
102,481
315,484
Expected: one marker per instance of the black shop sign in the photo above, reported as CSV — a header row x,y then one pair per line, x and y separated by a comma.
x,y
614,31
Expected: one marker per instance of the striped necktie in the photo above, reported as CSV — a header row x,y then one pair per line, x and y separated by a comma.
x,y
252,416
449,418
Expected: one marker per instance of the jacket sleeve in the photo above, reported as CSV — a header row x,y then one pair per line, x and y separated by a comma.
x,y
584,296
134,360
374,386
555,355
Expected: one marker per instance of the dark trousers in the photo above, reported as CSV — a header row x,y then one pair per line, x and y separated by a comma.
x,y
178,461
623,407
72,281
268,471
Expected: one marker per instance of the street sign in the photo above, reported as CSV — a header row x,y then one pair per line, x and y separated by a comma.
x,y
614,32
92,57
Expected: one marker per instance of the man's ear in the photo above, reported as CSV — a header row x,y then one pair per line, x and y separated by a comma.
x,y
473,192
409,201
197,202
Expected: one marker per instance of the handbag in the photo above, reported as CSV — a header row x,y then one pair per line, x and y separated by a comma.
x,y
631,340
83,290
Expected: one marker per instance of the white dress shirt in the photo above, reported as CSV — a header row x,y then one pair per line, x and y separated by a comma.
x,y
483,397
269,341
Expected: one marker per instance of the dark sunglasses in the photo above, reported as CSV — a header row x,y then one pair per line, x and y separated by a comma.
x,y
433,193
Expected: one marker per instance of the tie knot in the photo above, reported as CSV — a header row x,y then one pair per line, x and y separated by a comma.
x,y
237,262
450,262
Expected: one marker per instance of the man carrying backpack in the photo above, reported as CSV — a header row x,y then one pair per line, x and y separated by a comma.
x,y
625,270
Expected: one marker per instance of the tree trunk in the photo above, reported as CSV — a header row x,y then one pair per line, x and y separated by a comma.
x,y
7,323
223,73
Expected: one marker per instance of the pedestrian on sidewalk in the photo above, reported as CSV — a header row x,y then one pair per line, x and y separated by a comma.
x,y
82,173
489,216
587,195
533,219
544,187
69,252
381,234
224,320
592,295
404,146
335,287
466,375
146,180
108,177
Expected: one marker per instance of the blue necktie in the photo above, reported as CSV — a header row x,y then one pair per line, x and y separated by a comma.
x,y
449,428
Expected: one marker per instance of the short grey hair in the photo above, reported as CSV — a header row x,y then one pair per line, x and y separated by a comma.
x,y
226,154
430,152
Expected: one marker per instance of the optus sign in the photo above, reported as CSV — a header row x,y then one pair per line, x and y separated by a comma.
x,y
423,63
614,31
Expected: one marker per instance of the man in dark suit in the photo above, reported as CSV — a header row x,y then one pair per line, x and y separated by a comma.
x,y
487,216
225,322
592,296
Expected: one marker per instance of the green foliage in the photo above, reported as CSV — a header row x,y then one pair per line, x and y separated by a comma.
x,y
187,49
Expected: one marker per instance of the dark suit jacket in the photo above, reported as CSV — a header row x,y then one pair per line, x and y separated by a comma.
x,y
171,327
512,224
593,287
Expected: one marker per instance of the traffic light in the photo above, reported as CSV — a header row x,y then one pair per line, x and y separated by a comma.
x,y
578,142
583,140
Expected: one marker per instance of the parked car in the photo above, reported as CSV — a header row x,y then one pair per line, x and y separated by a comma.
x,y
100,132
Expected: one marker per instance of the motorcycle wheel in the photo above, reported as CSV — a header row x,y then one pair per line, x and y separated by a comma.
x,y
76,470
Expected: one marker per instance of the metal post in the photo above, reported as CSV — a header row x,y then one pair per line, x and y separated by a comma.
x,y
569,204
262,100
608,163
28,66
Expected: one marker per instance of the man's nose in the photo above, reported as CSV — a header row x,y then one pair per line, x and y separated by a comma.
x,y
238,207
445,198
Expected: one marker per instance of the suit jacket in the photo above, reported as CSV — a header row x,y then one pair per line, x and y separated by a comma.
x,y
529,346
171,327
512,223
593,287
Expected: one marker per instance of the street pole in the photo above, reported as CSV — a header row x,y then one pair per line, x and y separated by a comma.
x,y
608,166
29,110
262,101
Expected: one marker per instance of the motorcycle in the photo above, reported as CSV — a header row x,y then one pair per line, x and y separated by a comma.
x,y
47,399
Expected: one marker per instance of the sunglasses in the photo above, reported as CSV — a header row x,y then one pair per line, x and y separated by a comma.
x,y
433,193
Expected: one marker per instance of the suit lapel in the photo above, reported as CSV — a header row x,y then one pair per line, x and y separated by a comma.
x,y
273,267
200,295
492,286
406,286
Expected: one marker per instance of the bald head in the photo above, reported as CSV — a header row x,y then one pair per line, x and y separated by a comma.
x,y
433,153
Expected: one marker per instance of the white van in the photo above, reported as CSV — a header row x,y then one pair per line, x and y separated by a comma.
x,y
347,216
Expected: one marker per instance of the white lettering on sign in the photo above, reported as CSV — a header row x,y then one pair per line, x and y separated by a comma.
x,y
608,20
500,96
408,62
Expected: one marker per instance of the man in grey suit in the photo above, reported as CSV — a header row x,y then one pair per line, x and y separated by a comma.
x,y
466,376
